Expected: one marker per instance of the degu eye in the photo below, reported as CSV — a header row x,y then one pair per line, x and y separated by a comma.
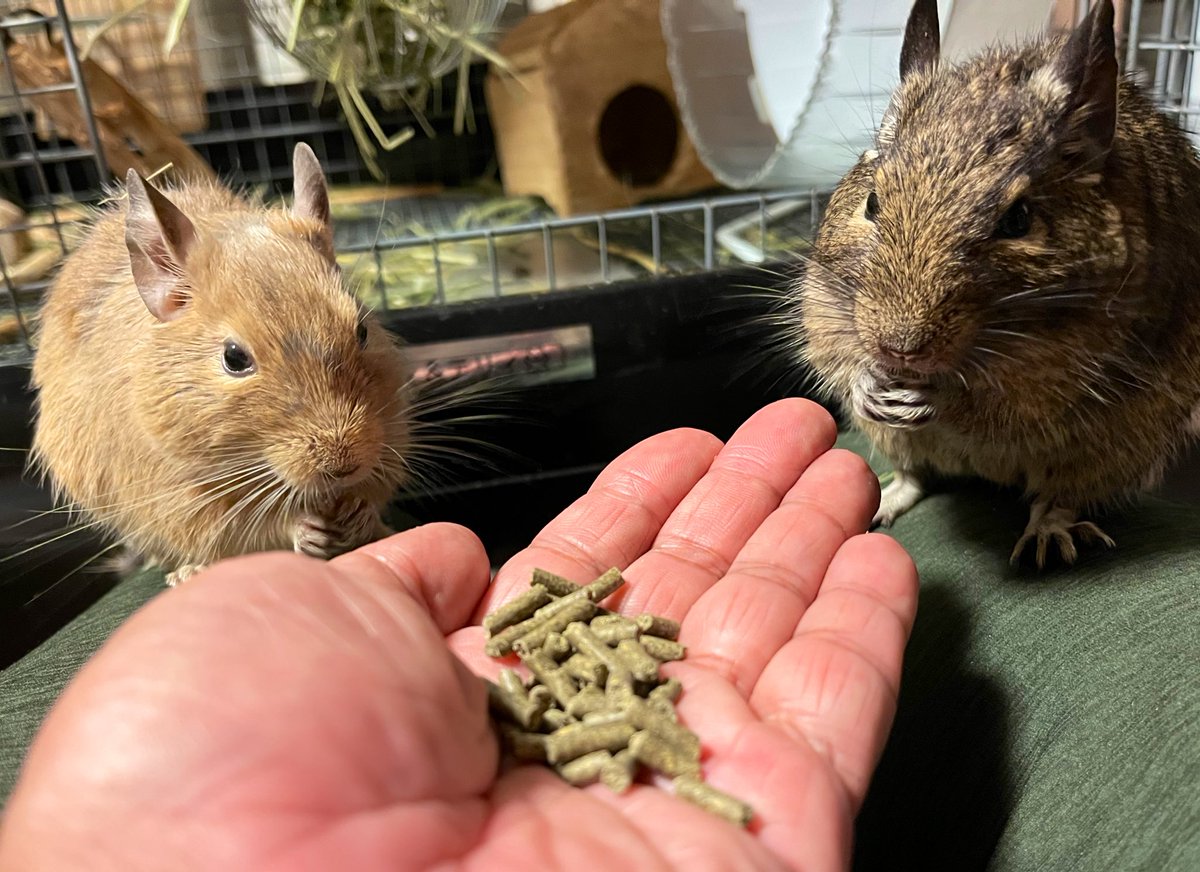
x,y
236,360
1016,222
362,334
871,212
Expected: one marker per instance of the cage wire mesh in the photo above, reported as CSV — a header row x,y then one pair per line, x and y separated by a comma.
x,y
242,103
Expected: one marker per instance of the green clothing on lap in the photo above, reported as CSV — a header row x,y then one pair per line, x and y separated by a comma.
x,y
1047,722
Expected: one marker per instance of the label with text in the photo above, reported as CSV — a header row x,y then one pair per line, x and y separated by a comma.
x,y
558,354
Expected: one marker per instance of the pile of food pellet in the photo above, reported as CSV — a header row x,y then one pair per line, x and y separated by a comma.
x,y
597,708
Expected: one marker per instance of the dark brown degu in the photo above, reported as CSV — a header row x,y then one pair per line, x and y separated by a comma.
x,y
1008,285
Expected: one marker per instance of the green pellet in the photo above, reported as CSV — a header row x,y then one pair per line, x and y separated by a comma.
x,y
640,664
575,611
556,584
510,697
605,716
617,774
589,699
586,769
664,709
502,642
611,629
655,625
604,586
585,640
556,719
512,684
618,693
662,649
552,677
647,717
556,645
586,669
575,740
659,754
523,744
557,605
709,798
519,609
668,691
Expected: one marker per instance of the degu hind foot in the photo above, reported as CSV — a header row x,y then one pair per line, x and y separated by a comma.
x,y
1050,523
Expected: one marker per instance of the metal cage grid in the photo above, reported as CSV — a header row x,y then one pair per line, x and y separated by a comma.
x,y
256,106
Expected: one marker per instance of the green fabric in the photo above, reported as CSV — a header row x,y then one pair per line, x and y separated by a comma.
x,y
1046,722
29,687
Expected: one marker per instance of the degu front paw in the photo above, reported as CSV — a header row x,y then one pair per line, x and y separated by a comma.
x,y
892,401
350,526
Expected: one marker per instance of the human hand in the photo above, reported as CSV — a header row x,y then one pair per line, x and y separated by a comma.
x,y
278,712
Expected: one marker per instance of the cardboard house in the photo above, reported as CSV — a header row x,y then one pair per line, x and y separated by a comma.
x,y
588,120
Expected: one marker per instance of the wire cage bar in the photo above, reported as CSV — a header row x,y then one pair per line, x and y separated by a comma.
x,y
242,103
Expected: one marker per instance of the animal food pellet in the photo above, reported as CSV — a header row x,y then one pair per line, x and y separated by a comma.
x,y
709,798
551,675
518,610
556,584
556,622
656,752
653,625
644,716
642,665
587,701
557,646
597,709
587,669
617,774
575,740
586,769
556,719
668,691
662,649
523,744
612,629
581,636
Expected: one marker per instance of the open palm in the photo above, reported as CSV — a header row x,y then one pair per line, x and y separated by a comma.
x,y
281,713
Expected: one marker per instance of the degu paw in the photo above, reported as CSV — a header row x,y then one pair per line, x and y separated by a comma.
x,y
183,573
327,537
894,402
1058,526
904,492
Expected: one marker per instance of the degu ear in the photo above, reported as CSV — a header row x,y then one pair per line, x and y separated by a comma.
x,y
922,38
311,197
159,238
1087,66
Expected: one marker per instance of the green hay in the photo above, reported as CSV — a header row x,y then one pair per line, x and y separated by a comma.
x,y
408,276
394,50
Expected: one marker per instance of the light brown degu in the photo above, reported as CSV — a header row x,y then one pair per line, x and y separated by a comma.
x,y
1008,285
207,384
